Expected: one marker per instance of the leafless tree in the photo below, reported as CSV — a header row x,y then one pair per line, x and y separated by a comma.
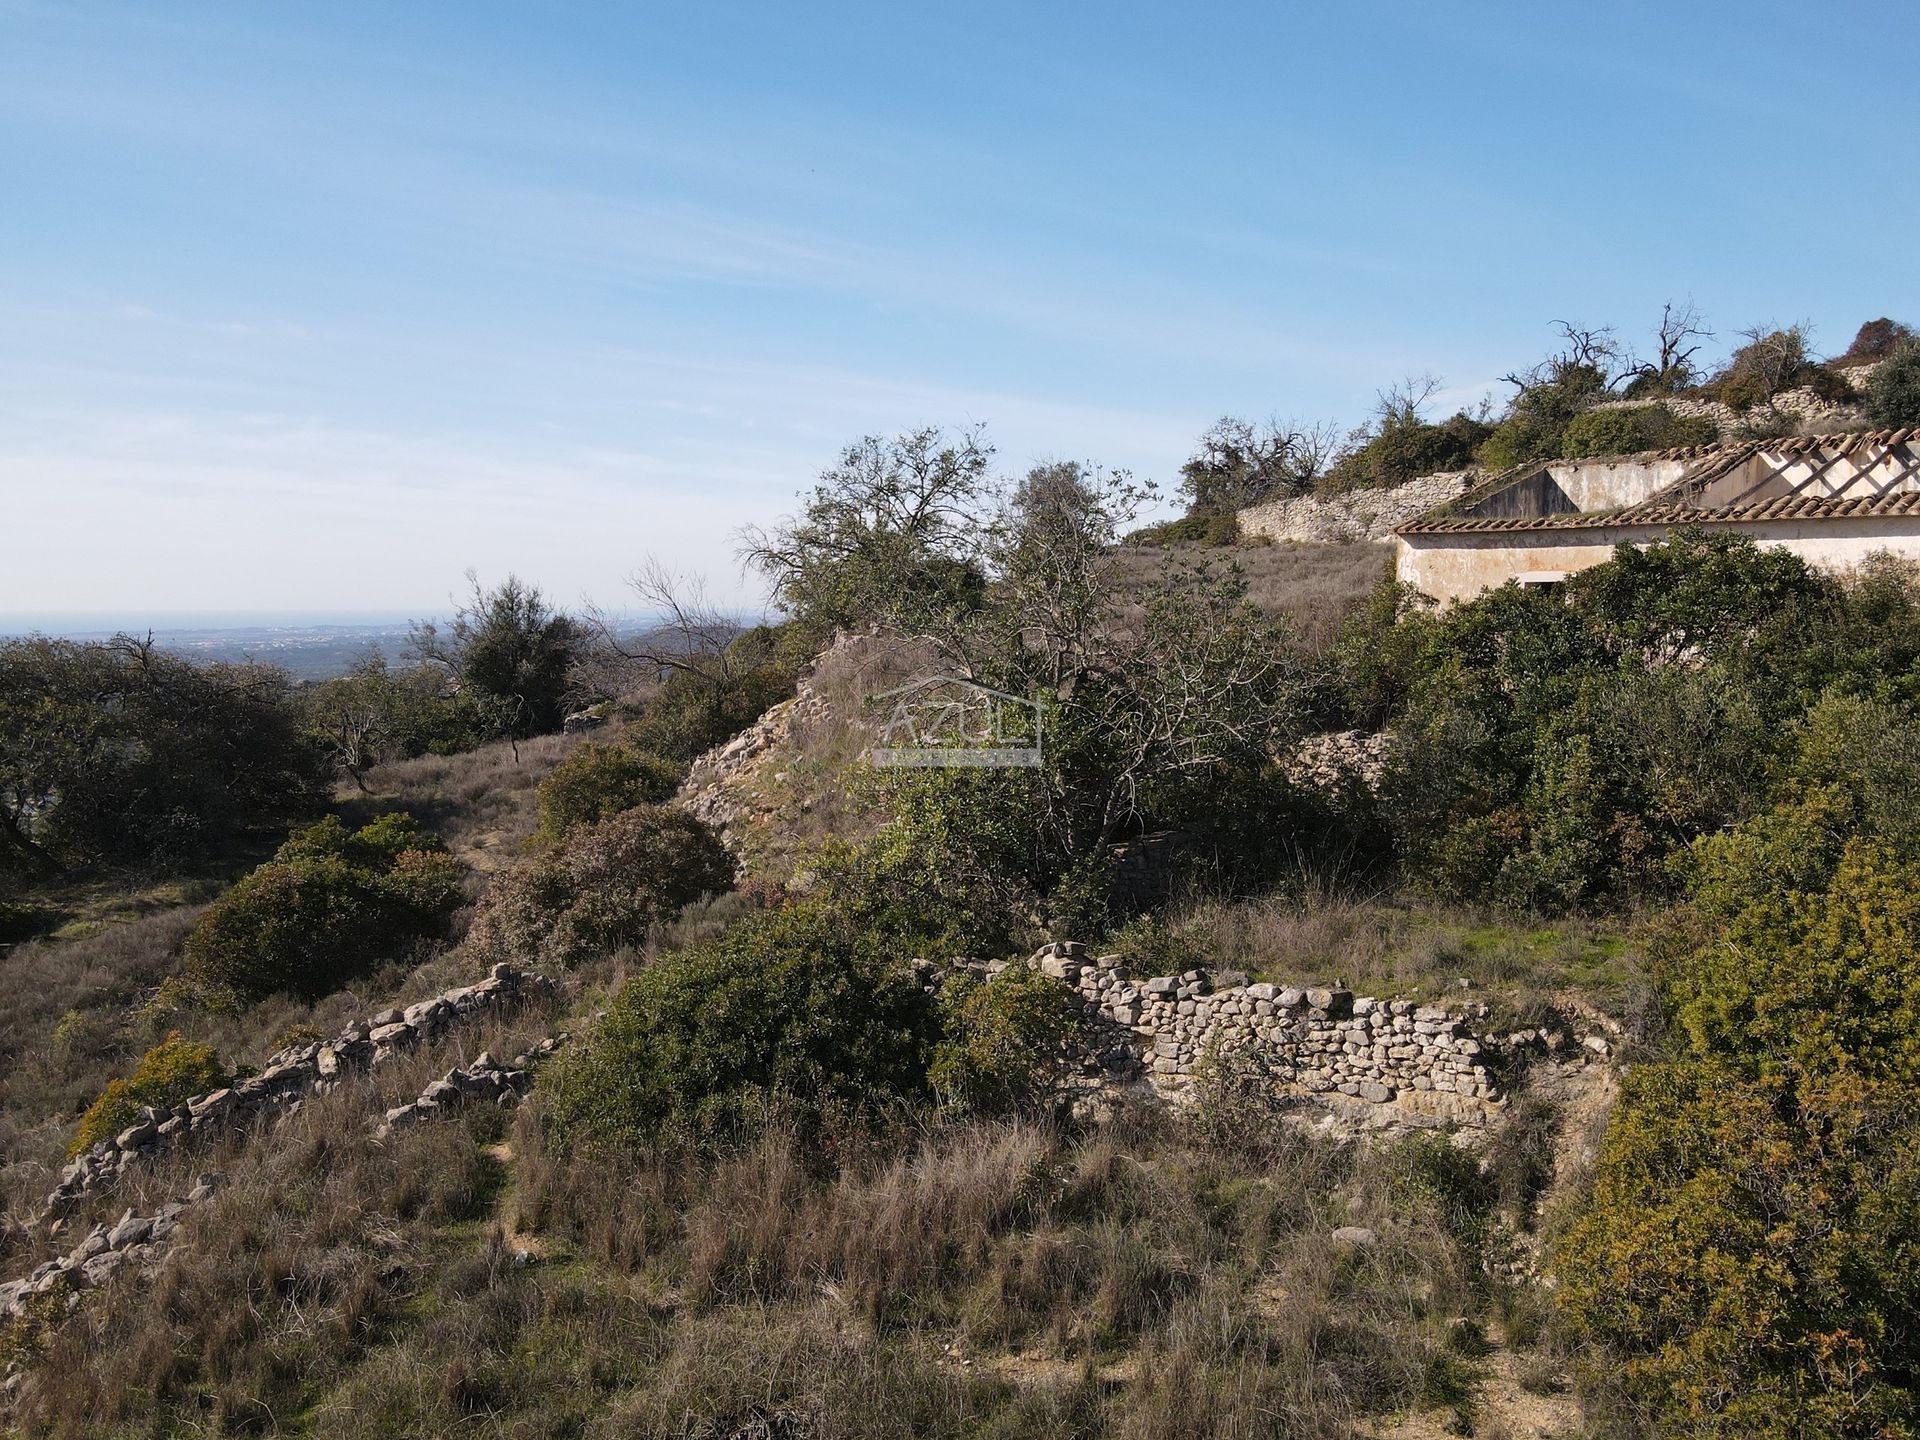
x,y
1239,463
1773,355
1682,328
1404,402
1583,352
690,634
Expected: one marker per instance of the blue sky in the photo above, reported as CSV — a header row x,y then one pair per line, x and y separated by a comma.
x,y
313,306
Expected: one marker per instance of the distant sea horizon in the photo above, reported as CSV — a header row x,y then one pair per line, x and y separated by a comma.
x,y
89,624
307,644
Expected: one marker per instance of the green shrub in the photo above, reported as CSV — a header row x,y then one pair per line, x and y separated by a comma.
x,y
328,908
376,845
596,780
1893,392
171,1072
1555,750
689,715
602,887
1006,1045
1210,528
797,1011
1629,429
1747,1255
1406,447
1536,424
956,872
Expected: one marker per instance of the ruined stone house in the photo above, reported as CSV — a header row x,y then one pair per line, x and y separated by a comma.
x,y
1831,499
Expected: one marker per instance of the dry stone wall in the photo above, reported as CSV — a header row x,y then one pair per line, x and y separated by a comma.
x,y
292,1074
1356,515
139,1241
132,1240
1414,1064
485,1081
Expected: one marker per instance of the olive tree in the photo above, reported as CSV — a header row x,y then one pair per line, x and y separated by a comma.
x,y
889,537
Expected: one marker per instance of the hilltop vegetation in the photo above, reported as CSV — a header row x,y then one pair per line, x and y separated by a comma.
x,y
1593,396
806,1163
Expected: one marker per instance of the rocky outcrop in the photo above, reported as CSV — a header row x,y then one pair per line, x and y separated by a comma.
x,y
1355,515
292,1074
723,787
591,718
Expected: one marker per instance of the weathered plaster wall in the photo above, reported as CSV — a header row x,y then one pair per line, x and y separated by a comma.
x,y
1459,566
1611,484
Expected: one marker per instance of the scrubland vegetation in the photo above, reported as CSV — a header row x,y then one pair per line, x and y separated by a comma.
x,y
784,1181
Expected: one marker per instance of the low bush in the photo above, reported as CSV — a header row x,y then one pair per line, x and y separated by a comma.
x,y
1214,528
1403,448
1006,1041
691,714
1536,424
597,780
602,887
798,1013
172,1071
328,908
1893,394
1746,1258
1629,429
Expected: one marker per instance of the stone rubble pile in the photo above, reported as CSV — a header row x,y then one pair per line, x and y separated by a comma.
x,y
719,789
1334,760
1319,1040
485,1081
292,1074
133,1240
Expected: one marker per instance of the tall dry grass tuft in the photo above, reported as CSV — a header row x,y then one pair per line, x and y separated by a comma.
x,y
479,801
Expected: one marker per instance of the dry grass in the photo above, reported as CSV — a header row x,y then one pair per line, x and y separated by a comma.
x,y
1393,947
1314,588
480,801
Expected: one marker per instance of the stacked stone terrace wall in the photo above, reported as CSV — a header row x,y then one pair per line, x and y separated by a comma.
x,y
1356,515
1415,1064
292,1074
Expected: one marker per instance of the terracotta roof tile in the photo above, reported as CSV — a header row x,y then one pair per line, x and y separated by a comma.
x,y
1671,505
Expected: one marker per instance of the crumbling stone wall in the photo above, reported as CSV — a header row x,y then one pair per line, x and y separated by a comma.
x,y
1419,1064
292,1074
1803,408
1356,515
